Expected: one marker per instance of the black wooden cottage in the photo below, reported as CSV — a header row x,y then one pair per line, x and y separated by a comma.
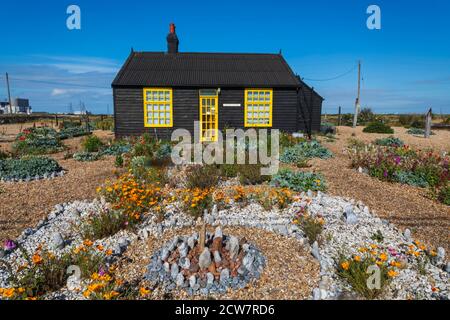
x,y
158,92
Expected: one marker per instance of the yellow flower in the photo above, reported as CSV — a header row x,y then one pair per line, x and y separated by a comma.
x,y
87,293
9,293
345,265
362,250
357,258
108,252
110,295
88,243
383,257
37,259
392,273
144,291
416,253
100,247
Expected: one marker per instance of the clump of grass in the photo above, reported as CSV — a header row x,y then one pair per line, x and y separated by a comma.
x,y
202,177
105,223
378,236
311,226
92,144
250,174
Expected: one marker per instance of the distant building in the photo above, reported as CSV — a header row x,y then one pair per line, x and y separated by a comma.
x,y
19,105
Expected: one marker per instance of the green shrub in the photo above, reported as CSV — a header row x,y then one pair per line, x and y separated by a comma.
x,y
116,149
366,115
87,156
92,144
105,124
418,132
3,155
410,178
105,224
72,132
287,140
298,181
311,226
305,150
202,176
444,195
250,174
378,127
355,273
390,142
28,167
37,141
46,272
229,170
118,162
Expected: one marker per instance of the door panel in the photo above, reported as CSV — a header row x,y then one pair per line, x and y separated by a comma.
x,y
209,118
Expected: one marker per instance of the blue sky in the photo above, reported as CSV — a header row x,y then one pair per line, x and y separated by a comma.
x,y
406,64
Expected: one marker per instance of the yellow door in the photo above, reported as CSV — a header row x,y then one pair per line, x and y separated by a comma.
x,y
209,114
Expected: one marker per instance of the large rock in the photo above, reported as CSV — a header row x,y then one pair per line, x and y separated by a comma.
x,y
218,233
57,241
180,280
205,259
183,249
192,281
234,247
224,276
174,270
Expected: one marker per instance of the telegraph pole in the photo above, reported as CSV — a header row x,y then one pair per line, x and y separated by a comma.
x,y
357,105
9,93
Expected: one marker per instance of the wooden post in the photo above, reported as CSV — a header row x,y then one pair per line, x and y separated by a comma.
x,y
428,119
339,116
357,102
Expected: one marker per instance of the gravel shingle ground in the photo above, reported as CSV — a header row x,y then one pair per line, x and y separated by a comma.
x,y
405,206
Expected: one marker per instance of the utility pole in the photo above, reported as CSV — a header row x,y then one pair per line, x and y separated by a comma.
x,y
357,104
339,116
428,123
9,93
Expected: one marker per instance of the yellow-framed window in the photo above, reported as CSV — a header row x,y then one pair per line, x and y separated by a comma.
x,y
158,104
258,107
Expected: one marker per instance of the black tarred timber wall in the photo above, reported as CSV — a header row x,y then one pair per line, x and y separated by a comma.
x,y
286,115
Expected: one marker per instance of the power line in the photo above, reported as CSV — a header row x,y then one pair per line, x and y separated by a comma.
x,y
59,83
334,78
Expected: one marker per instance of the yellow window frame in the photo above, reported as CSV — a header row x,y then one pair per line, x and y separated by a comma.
x,y
258,104
212,121
159,103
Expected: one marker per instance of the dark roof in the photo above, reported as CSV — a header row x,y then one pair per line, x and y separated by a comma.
x,y
205,69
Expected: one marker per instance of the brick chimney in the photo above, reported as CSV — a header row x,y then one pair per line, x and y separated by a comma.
x,y
172,40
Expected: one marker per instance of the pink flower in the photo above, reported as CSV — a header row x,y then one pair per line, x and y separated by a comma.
x,y
9,245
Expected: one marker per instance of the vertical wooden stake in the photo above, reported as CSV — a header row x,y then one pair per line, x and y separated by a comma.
x,y
428,120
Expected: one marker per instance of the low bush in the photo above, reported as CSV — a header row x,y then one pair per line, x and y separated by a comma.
x,y
311,226
45,272
134,197
87,156
298,181
105,223
3,155
390,142
417,132
378,127
229,170
196,201
37,141
355,271
444,195
250,174
404,165
28,167
305,150
366,115
116,149
202,177
92,144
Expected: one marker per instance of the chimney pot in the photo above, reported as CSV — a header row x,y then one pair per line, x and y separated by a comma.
x,y
172,40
